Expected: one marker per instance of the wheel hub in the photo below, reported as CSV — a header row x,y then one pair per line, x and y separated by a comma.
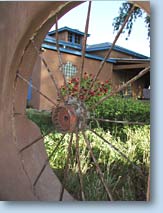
x,y
70,116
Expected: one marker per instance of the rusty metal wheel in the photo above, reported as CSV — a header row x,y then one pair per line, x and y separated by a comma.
x,y
70,117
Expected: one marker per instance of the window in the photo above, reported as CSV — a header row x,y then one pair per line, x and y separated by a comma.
x,y
77,39
69,70
74,38
70,37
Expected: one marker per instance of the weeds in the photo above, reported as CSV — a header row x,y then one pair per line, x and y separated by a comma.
x,y
134,141
126,183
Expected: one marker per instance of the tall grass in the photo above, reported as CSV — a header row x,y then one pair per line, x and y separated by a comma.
x,y
125,181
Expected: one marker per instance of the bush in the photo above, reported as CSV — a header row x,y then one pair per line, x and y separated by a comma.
x,y
114,108
124,109
98,89
121,109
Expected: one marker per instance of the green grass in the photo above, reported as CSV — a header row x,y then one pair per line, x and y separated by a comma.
x,y
124,180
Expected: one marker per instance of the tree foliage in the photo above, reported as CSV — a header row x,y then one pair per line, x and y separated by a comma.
x,y
137,13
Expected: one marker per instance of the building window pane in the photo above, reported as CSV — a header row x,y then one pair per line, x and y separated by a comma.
x,y
77,39
70,37
69,70
74,38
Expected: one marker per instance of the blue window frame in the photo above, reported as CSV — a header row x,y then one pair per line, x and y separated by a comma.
x,y
70,37
74,38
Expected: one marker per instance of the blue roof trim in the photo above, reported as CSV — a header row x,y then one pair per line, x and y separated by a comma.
x,y
103,46
67,29
107,45
131,59
68,44
74,52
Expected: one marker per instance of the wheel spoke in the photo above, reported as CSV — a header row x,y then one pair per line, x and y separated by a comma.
x,y
60,57
66,168
47,161
35,141
114,92
36,89
120,122
118,151
109,51
49,71
79,166
84,47
108,191
57,44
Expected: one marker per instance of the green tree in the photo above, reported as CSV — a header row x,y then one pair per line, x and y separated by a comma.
x,y
137,13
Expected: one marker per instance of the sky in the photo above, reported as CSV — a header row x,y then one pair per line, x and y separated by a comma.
x,y
100,25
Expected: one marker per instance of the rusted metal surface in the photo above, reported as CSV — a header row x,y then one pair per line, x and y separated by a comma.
x,y
64,118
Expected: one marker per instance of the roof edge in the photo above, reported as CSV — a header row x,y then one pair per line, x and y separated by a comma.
x,y
107,45
78,53
67,29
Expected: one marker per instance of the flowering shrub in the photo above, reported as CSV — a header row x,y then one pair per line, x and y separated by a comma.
x,y
98,89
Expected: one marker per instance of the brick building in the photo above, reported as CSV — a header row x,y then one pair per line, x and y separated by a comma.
x,y
122,65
